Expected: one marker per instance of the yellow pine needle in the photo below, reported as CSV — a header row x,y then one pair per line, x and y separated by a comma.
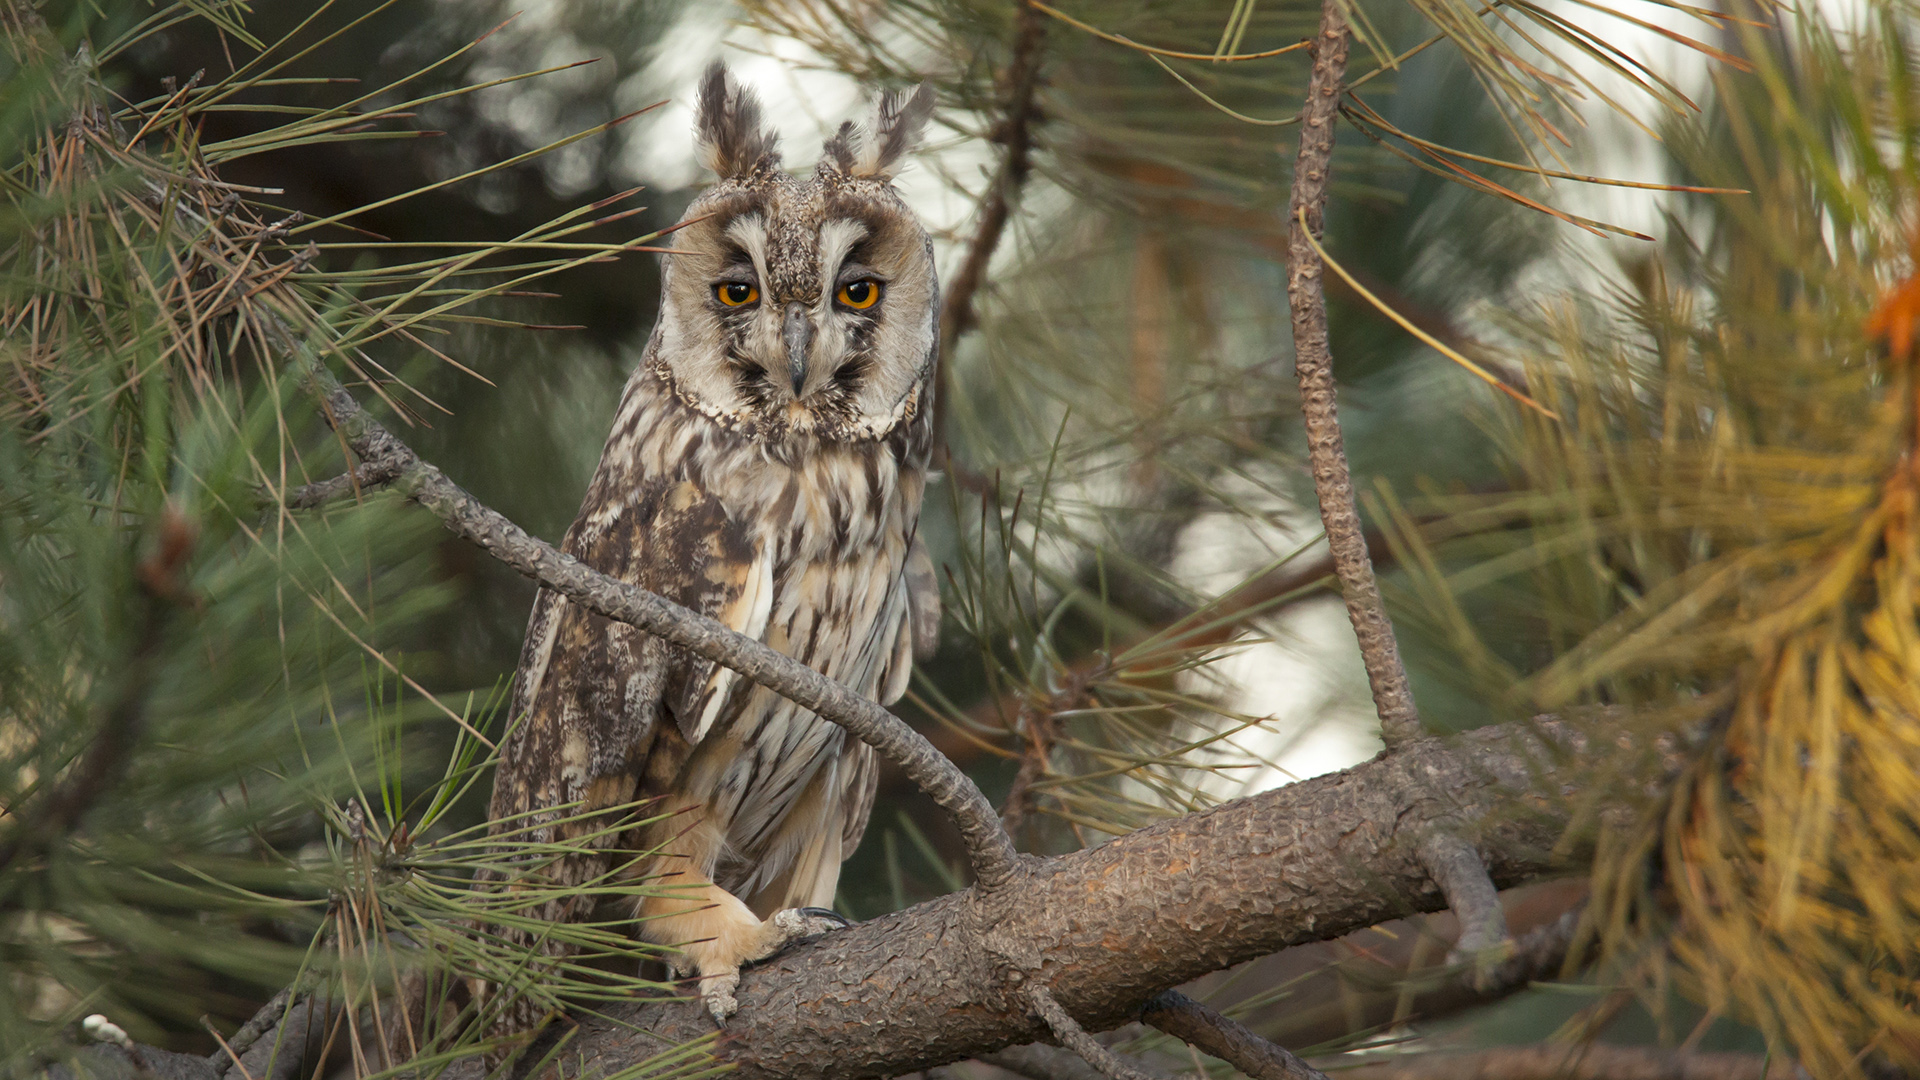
x,y
1119,39
1405,324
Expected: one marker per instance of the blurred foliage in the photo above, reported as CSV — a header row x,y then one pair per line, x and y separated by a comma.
x,y
201,697
1721,535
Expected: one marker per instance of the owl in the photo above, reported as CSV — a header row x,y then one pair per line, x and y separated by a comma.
x,y
765,468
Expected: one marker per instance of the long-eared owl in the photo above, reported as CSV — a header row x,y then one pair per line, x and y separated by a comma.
x,y
765,468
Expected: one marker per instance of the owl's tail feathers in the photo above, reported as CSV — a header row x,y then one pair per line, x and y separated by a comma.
x,y
517,1017
520,1023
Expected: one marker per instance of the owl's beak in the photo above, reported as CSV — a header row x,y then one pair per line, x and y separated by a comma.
x,y
797,333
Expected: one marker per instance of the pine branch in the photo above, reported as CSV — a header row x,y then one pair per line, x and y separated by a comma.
x,y
1107,929
1313,365
1456,867
367,474
1039,1061
1225,1038
1075,1038
1015,131
1593,1061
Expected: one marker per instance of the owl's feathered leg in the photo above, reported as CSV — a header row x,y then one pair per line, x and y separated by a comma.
x,y
715,933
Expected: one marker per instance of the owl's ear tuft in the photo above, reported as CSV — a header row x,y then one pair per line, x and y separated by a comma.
x,y
729,134
898,121
843,152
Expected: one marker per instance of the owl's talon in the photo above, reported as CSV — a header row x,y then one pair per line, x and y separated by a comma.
x,y
717,993
840,922
794,924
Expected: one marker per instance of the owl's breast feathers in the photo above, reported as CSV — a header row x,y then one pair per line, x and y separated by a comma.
x,y
809,553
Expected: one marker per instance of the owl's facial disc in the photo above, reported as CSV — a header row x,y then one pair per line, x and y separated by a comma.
x,y
803,335
800,308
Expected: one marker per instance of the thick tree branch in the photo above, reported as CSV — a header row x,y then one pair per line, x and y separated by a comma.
x,y
1106,929
1313,366
988,846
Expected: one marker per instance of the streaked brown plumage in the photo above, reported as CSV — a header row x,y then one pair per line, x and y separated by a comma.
x,y
765,467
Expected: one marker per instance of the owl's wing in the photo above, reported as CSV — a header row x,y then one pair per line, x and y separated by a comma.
x,y
857,806
587,725
923,601
917,637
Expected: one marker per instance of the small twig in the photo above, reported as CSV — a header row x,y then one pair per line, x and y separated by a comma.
x,y
1038,1061
1016,132
1075,1038
1538,954
261,1022
1041,726
367,474
1456,868
1033,762
1313,366
1211,1032
989,849
232,1058
1593,1061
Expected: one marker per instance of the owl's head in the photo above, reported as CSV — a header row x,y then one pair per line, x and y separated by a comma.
x,y
800,307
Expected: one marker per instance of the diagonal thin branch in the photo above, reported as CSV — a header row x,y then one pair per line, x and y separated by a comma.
x,y
1455,866
989,849
1223,1037
367,474
1594,1061
1313,366
1039,1061
1016,131
1075,1038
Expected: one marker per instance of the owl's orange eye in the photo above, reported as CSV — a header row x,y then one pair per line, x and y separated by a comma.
x,y
859,295
735,293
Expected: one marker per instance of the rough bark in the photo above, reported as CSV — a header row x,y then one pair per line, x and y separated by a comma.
x,y
1108,928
